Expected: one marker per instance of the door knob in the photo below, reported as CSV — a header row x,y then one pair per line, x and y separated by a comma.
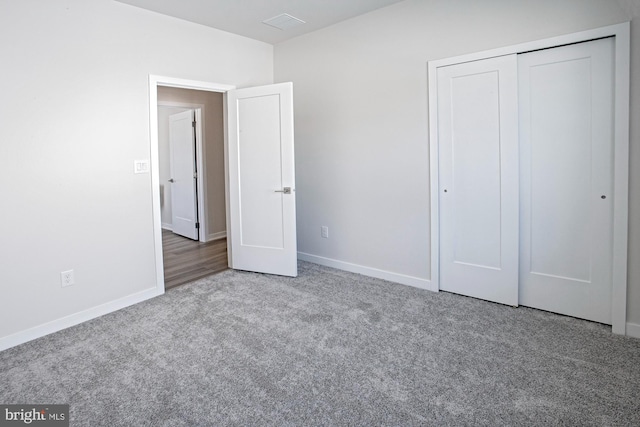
x,y
285,190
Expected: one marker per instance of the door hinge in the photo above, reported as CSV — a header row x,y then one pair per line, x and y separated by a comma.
x,y
197,225
193,123
195,175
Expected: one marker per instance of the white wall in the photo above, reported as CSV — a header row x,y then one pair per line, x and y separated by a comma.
x,y
360,91
75,107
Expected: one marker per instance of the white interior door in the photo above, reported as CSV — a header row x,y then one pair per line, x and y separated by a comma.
x,y
261,198
566,136
478,163
184,206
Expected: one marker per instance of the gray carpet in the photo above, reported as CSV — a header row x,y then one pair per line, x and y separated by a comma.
x,y
327,348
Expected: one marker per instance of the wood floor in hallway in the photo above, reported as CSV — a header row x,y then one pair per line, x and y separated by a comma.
x,y
186,260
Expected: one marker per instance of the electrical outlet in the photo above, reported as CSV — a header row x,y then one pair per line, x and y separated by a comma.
x,y
324,232
66,278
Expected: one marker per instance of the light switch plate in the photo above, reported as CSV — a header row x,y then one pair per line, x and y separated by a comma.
x,y
141,166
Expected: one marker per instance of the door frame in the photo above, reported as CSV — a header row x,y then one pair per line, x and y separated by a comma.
x,y
201,195
154,82
621,32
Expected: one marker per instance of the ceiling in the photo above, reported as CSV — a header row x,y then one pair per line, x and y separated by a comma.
x,y
244,17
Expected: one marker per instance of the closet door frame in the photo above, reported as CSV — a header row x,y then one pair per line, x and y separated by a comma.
x,y
621,32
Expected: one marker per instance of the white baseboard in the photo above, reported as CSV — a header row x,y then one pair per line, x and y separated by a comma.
x,y
633,330
368,271
76,318
216,236
167,226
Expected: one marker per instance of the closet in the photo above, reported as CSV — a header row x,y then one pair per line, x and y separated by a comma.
x,y
524,175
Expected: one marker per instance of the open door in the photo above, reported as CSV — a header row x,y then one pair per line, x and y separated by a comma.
x,y
261,189
184,205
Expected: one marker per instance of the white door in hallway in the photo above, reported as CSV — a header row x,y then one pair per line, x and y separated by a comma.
x,y
261,197
478,163
566,143
184,205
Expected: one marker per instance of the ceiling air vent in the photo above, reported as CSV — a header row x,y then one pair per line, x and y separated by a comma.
x,y
284,21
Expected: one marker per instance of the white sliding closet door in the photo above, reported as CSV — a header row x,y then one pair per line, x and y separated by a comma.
x,y
478,143
566,143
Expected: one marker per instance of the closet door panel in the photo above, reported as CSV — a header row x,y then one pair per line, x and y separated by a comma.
x,y
477,127
560,162
475,145
566,145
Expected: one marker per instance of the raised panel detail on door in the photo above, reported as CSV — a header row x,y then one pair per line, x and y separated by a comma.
x,y
566,137
475,120
478,162
259,151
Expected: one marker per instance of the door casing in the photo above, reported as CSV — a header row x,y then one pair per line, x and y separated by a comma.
x,y
154,82
621,32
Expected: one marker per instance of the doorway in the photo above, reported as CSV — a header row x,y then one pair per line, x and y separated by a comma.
x,y
255,112
201,250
